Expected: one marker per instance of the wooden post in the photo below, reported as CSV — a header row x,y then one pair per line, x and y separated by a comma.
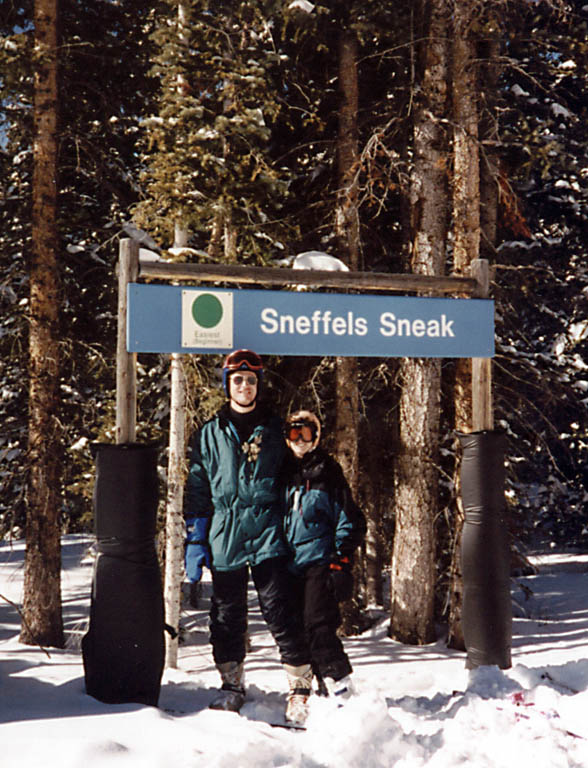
x,y
126,363
482,415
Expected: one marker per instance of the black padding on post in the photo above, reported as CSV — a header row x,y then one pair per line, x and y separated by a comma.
x,y
485,551
123,650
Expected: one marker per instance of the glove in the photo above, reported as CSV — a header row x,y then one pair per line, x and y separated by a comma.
x,y
197,556
341,577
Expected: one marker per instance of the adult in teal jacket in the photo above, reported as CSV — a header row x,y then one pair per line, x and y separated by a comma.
x,y
234,520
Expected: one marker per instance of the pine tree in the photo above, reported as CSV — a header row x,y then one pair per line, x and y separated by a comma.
x,y
207,149
541,276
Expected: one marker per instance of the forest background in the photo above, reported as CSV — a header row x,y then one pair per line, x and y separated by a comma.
x,y
405,137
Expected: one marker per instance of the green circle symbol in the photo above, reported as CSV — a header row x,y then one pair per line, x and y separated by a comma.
x,y
207,310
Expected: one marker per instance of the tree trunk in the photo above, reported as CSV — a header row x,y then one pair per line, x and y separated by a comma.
x,y
347,235
174,523
42,620
347,213
176,465
374,594
215,242
414,555
375,500
416,495
466,221
466,181
488,55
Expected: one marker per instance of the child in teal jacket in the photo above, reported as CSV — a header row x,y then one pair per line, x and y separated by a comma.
x,y
323,527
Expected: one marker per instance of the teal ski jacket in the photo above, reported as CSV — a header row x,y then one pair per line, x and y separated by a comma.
x,y
322,520
233,501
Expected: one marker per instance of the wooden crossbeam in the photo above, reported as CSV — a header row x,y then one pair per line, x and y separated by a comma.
x,y
360,281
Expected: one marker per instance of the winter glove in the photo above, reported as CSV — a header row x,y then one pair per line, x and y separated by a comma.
x,y
341,577
197,556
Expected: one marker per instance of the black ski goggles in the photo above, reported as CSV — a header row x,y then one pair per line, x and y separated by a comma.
x,y
300,430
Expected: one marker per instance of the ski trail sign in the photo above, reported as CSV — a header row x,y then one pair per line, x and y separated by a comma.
x,y
166,319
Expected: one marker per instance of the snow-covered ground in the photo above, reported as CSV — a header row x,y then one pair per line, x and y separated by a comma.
x,y
413,707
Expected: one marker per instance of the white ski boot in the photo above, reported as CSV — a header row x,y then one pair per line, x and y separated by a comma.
x,y
339,689
231,696
300,685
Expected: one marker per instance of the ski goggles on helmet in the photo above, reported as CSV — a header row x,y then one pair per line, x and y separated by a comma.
x,y
304,430
243,358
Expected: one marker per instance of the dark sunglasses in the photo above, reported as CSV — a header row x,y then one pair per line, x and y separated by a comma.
x,y
301,430
238,379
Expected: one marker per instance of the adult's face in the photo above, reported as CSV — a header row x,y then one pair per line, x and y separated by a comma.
x,y
243,391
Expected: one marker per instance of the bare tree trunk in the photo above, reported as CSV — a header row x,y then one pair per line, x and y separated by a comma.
x,y
176,467
488,54
347,213
372,554
347,234
215,243
176,476
222,245
416,494
375,501
230,237
174,524
42,620
466,180
414,555
346,427
466,220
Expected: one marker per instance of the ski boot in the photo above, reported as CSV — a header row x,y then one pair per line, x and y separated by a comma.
x,y
231,696
339,689
300,685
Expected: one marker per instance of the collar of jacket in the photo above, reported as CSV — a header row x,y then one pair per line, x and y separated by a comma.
x,y
261,411
309,467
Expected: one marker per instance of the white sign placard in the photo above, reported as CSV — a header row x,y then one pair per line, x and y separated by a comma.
x,y
207,319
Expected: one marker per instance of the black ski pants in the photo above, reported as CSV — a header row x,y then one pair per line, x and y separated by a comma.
x,y
314,600
228,613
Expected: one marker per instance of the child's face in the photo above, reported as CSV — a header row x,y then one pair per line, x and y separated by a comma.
x,y
300,438
299,448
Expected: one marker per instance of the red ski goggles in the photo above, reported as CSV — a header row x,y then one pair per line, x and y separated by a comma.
x,y
243,358
301,430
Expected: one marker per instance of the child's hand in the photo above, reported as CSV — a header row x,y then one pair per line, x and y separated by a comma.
x,y
341,578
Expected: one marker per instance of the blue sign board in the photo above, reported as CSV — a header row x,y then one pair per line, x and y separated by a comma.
x,y
163,318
